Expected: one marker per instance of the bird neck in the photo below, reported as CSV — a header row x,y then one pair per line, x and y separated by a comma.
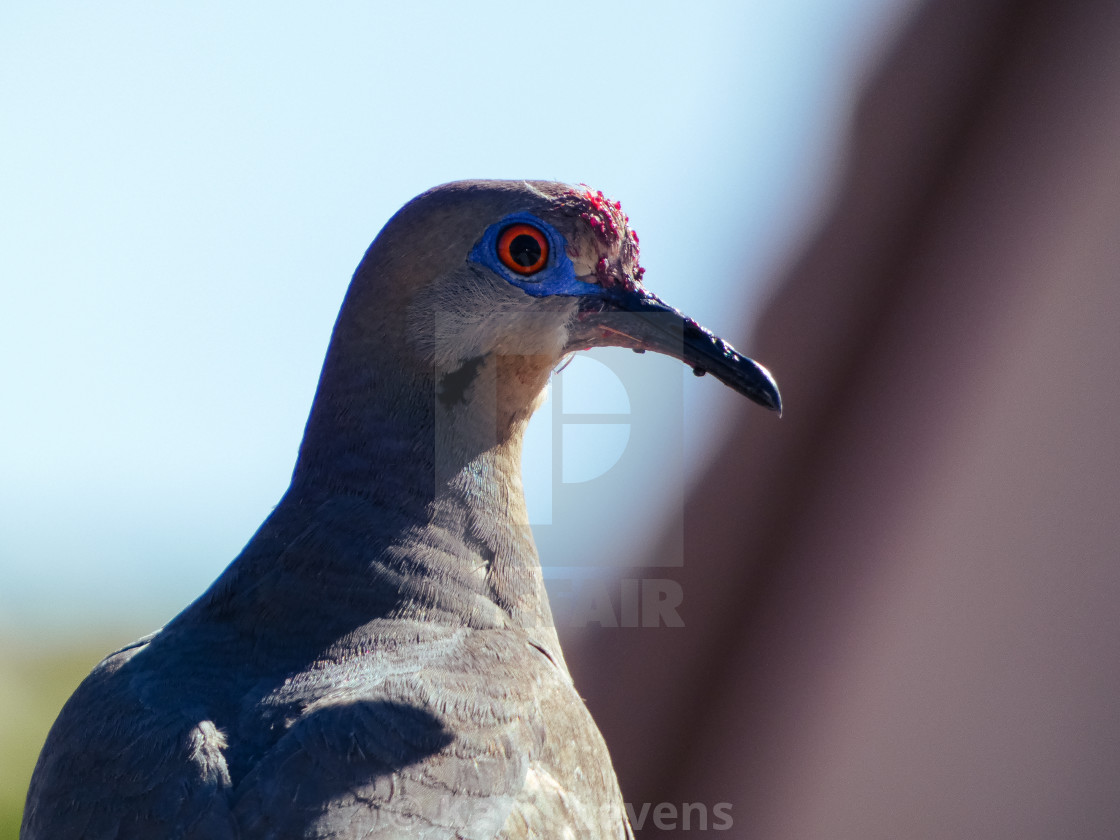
x,y
394,431
423,472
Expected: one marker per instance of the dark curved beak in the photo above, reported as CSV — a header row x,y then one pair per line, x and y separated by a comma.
x,y
640,320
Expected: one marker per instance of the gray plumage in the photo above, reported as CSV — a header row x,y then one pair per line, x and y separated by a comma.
x,y
380,661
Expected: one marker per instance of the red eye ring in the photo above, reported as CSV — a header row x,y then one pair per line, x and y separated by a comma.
x,y
523,248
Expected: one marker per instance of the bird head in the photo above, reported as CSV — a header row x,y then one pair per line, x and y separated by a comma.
x,y
524,272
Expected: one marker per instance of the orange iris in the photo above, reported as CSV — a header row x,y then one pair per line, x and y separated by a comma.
x,y
523,248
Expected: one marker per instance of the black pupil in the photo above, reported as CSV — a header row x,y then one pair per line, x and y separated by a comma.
x,y
525,250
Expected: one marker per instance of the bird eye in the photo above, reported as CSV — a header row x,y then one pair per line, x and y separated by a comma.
x,y
523,248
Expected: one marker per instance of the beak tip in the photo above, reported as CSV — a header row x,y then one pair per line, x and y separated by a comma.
x,y
771,399
765,391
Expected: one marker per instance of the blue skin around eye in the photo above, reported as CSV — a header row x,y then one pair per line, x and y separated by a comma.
x,y
558,277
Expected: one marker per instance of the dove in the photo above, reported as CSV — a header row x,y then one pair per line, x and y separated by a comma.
x,y
380,661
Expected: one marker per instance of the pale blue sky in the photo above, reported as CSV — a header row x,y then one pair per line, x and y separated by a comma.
x,y
185,189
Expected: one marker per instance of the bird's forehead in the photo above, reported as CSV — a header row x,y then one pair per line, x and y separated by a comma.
x,y
599,225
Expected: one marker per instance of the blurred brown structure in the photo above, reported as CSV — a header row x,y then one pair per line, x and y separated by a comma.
x,y
901,601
